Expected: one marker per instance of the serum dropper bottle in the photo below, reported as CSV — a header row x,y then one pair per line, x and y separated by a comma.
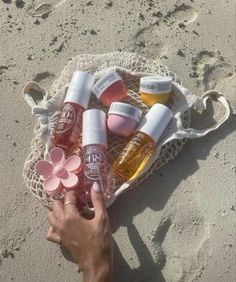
x,y
139,149
68,132
94,142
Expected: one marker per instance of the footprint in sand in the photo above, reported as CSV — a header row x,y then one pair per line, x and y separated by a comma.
x,y
12,242
158,237
12,239
209,67
43,76
178,17
181,13
178,246
40,9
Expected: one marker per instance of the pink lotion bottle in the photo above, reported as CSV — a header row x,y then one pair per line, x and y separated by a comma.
x,y
69,127
94,142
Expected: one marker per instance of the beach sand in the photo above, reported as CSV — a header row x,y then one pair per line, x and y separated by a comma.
x,y
179,225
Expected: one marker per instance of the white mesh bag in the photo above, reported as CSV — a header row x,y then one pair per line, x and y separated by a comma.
x,y
46,107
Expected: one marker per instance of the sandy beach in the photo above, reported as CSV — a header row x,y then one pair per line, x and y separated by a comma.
x,y
179,224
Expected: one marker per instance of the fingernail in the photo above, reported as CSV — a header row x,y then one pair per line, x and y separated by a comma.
x,y
96,187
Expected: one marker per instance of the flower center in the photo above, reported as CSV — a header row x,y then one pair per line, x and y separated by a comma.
x,y
59,171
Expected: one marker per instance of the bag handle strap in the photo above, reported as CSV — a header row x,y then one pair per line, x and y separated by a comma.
x,y
196,133
34,94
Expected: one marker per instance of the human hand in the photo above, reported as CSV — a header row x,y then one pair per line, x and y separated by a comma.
x,y
88,241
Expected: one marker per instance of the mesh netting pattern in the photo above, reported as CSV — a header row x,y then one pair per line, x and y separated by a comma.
x,y
130,67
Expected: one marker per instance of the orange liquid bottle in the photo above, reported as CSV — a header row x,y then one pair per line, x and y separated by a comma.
x,y
141,146
68,132
134,156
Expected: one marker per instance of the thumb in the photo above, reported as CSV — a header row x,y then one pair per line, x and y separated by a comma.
x,y
97,199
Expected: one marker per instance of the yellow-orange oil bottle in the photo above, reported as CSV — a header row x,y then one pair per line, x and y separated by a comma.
x,y
141,146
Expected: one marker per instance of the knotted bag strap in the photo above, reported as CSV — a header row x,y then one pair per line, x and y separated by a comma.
x,y
197,133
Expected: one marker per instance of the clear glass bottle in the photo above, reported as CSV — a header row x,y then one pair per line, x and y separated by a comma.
x,y
68,131
141,146
94,142
134,156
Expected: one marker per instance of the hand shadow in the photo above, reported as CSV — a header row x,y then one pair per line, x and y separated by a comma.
x,y
148,269
151,195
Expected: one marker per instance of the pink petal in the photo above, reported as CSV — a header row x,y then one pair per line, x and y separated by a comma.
x,y
57,156
73,163
70,180
44,168
52,185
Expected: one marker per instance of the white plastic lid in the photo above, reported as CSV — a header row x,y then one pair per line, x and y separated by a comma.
x,y
155,84
80,88
126,110
94,128
105,81
155,121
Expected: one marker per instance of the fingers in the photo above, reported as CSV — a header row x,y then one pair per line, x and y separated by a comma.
x,y
97,199
62,211
58,208
70,203
52,220
53,236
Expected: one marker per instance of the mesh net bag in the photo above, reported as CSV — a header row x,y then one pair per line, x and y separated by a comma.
x,y
130,67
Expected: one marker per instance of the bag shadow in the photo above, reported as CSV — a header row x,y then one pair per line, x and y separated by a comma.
x,y
150,194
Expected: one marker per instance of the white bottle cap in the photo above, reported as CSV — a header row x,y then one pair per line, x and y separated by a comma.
x,y
155,121
126,110
155,84
80,88
94,128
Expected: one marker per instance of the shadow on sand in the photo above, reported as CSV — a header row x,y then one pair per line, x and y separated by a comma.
x,y
150,195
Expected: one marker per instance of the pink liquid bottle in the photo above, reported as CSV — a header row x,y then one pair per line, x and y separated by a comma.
x,y
94,142
68,132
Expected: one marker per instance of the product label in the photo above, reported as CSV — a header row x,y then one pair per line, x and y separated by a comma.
x,y
160,88
126,110
67,119
95,163
100,86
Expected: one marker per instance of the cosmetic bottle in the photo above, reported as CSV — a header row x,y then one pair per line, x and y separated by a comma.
x,y
155,89
123,119
110,88
94,142
139,149
68,132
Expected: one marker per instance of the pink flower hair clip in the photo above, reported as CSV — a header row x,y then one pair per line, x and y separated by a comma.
x,y
58,173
